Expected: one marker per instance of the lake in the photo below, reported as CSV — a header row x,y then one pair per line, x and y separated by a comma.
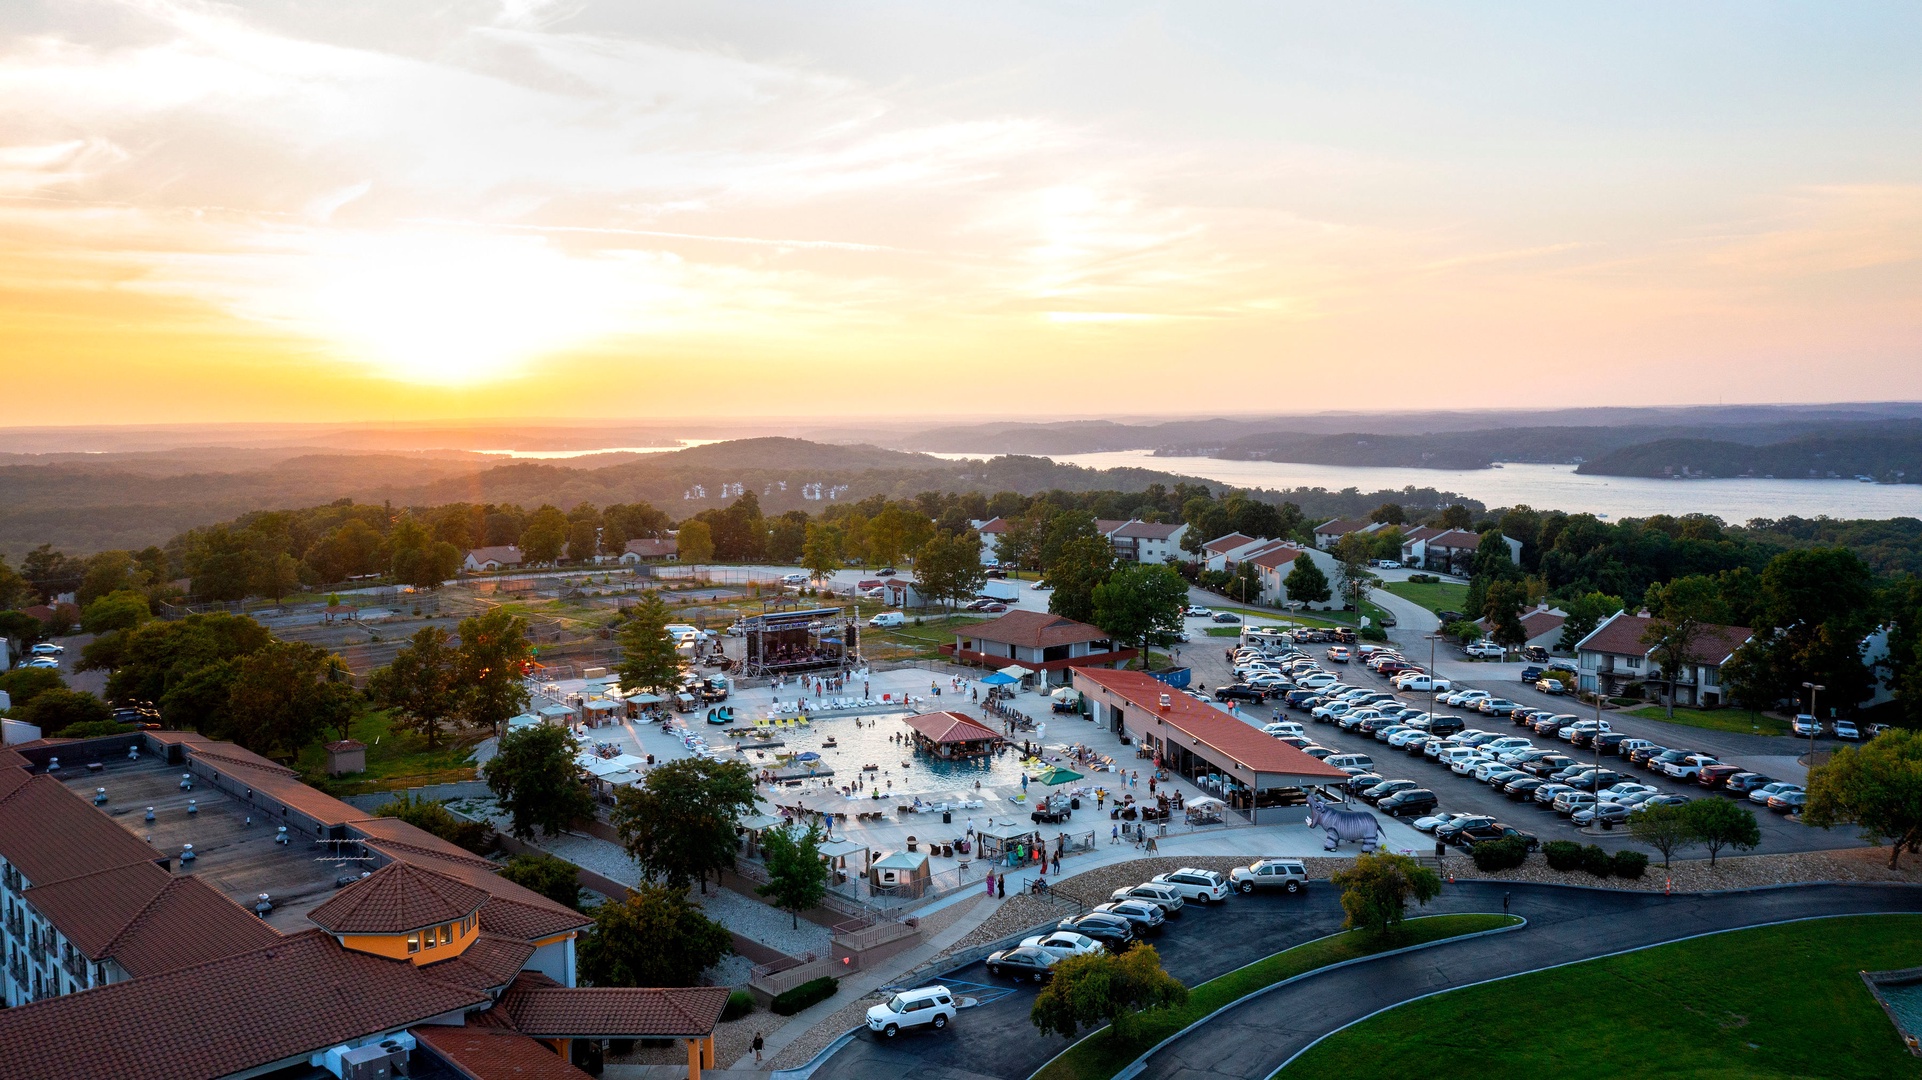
x,y
1553,487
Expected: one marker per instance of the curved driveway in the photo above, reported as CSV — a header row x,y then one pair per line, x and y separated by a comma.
x,y
1250,1041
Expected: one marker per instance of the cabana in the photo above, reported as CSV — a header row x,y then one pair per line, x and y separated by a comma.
x,y
600,712
637,702
524,720
836,852
557,714
1000,841
951,735
903,874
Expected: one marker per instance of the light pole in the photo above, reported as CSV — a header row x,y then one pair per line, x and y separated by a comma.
x,y
1594,826
1432,638
1815,718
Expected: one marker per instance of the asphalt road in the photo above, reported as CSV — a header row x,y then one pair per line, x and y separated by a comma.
x,y
997,1040
1250,1041
1207,657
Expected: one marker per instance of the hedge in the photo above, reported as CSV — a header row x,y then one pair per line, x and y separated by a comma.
x,y
1562,854
1628,864
739,1004
808,993
1595,860
1504,854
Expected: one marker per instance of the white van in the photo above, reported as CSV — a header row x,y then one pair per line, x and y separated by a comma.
x,y
889,618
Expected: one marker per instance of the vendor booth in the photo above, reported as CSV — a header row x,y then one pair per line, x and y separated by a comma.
x,y
1008,843
600,712
901,874
558,715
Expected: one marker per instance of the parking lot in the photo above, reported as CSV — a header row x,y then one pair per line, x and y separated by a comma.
x,y
1463,794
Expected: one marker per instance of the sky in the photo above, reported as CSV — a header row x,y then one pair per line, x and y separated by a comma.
x,y
370,210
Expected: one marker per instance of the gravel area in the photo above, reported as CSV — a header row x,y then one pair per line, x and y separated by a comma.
x,y
770,926
816,1039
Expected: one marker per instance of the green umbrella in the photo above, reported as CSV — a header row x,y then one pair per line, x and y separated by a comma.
x,y
1055,774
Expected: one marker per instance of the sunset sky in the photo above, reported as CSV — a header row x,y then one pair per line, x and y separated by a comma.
x,y
379,209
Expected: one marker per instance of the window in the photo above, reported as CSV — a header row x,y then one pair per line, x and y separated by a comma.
x,y
413,942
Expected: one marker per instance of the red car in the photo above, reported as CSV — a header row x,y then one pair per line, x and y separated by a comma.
x,y
1714,776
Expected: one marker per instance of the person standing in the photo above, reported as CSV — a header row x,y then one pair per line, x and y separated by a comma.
x,y
990,884
759,1043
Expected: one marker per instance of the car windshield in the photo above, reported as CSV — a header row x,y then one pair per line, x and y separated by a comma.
x,y
898,1004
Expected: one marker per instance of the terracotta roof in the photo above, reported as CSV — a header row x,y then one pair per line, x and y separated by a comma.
x,y
992,526
653,548
230,754
92,909
407,840
1421,532
12,777
1339,527
51,834
299,995
951,727
188,923
1456,539
1148,530
514,911
1204,725
490,963
1034,630
1273,557
505,554
613,1012
1107,526
397,898
275,781
494,1053
1227,543
1622,634
346,744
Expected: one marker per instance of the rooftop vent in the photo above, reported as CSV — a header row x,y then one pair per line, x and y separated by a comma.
x,y
193,806
149,813
53,764
133,752
100,796
187,853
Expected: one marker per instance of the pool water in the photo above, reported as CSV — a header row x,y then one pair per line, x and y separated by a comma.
x,y
871,744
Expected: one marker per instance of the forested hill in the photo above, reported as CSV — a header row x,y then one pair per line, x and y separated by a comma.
x,y
1891,458
109,502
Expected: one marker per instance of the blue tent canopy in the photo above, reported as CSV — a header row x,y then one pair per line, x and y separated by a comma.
x,y
998,679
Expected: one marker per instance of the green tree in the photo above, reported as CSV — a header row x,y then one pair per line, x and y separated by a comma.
x,y
694,543
24,684
1389,513
948,568
1492,562
422,684
19,628
1463,630
493,652
797,875
1080,565
1105,988
583,541
544,535
434,817
679,823
1455,517
53,711
656,936
156,657
276,575
1502,608
1876,787
1719,823
1375,891
821,553
1141,604
284,696
1667,829
1815,605
1020,543
120,610
787,537
556,879
1245,583
108,572
1585,612
200,700
534,777
1305,582
1684,614
649,661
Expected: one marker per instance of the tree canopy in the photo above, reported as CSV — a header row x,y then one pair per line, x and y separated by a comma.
x,y
1141,604
1375,891
679,822
1104,988
1876,787
534,777
649,661
797,876
655,936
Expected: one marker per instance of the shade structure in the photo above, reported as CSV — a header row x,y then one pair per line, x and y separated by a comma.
x,y
999,679
1015,671
1205,800
1055,774
645,699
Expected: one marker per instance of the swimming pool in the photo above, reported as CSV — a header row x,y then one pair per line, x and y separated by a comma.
x,y
871,744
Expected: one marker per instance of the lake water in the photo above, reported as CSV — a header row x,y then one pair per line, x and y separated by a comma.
x,y
1553,487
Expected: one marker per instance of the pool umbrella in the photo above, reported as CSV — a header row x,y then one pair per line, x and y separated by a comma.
x,y
998,679
1055,774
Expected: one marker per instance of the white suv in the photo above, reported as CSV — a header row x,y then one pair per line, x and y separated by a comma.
x,y
1165,897
1201,886
930,1006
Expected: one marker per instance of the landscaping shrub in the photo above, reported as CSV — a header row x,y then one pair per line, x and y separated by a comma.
x,y
806,994
1628,864
1595,860
739,1004
1503,854
1371,632
1562,854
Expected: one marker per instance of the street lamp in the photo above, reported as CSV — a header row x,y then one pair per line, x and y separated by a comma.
x,y
1432,676
1814,718
1594,826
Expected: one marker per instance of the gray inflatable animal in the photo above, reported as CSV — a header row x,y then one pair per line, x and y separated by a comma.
x,y
1343,825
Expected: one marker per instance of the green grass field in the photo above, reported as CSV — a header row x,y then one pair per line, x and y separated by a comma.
x,y
1101,1055
1440,596
1780,1001
1739,720
396,758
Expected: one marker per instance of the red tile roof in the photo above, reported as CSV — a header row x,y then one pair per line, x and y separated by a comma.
x,y
188,923
951,727
1421,532
1227,543
514,911
51,834
613,1012
1203,725
1339,527
493,1053
92,909
1622,634
346,744
992,526
1035,630
490,963
1275,557
397,898
1455,539
299,995
1107,526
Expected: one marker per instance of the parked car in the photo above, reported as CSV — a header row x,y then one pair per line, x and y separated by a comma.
x,y
1531,673
1607,813
1483,832
1382,790
1063,943
1688,767
1714,776
41,662
1161,896
1761,795
1021,962
1406,803
1742,783
1536,653
1662,800
1432,822
1226,617
1201,886
1288,875
1551,687
1522,787
1546,794
1645,755
1846,729
47,648
1240,692
1113,931
1486,650
930,1006
1144,915
1806,726
1788,802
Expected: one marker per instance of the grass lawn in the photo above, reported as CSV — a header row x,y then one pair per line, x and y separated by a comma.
x,y
396,758
1101,1055
1440,596
917,641
1739,720
1780,1001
